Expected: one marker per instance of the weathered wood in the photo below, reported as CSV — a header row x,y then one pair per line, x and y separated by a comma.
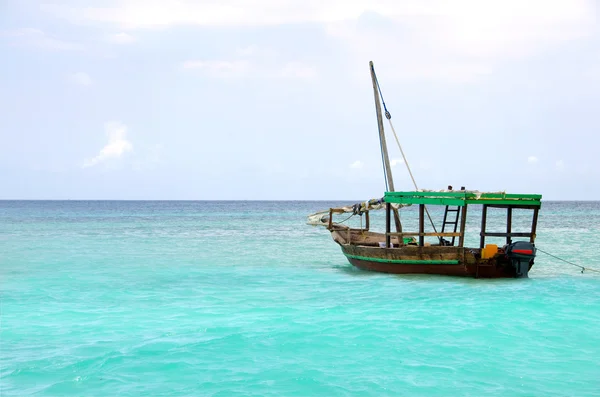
x,y
410,251
412,234
464,194
516,234
374,251
534,225
448,260
508,224
386,160
421,225
463,222
517,207
483,222
397,220
388,206
367,221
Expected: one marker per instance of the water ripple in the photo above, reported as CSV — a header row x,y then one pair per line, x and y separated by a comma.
x,y
218,299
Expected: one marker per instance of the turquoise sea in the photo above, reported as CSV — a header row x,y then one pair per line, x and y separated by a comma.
x,y
124,298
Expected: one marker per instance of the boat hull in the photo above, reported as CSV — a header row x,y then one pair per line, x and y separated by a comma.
x,y
447,261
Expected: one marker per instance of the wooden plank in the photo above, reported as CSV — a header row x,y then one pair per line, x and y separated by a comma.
x,y
506,234
515,207
463,222
460,198
397,220
534,225
508,224
421,225
520,196
337,210
407,251
468,195
413,234
456,202
483,222
457,194
516,203
405,261
388,207
427,200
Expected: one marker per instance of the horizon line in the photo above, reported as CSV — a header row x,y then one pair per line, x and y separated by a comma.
x,y
242,200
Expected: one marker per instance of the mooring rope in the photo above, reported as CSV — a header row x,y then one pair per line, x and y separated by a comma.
x,y
570,263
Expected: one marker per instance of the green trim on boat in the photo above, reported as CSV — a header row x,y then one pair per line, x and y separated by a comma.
x,y
404,261
460,198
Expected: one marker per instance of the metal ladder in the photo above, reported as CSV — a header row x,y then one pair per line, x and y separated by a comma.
x,y
447,222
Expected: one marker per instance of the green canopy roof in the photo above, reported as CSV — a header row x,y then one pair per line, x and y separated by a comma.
x,y
462,197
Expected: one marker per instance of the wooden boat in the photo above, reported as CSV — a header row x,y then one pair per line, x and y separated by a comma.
x,y
403,252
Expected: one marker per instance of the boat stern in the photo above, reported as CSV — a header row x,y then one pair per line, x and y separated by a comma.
x,y
521,255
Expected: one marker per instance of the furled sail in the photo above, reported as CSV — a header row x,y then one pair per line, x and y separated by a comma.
x,y
321,218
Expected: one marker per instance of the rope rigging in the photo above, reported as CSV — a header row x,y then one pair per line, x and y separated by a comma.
x,y
388,116
383,164
351,215
357,209
380,141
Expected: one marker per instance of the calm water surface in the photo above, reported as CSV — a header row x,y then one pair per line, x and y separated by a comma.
x,y
243,299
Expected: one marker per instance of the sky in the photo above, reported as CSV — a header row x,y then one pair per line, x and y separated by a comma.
x,y
272,99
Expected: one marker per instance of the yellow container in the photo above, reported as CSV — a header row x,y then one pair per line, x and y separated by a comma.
x,y
489,251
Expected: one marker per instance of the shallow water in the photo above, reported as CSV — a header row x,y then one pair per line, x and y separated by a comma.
x,y
242,298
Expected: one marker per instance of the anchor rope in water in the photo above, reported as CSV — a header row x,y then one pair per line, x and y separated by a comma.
x,y
570,263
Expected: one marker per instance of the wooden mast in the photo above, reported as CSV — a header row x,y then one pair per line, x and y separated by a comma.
x,y
386,160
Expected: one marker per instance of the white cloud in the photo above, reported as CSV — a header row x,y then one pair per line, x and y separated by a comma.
x,y
298,70
256,53
251,66
357,164
532,159
37,38
471,25
122,38
462,40
219,68
117,144
157,13
560,165
466,15
455,41
81,78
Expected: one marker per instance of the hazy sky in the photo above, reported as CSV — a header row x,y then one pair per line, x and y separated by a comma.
x,y
272,99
